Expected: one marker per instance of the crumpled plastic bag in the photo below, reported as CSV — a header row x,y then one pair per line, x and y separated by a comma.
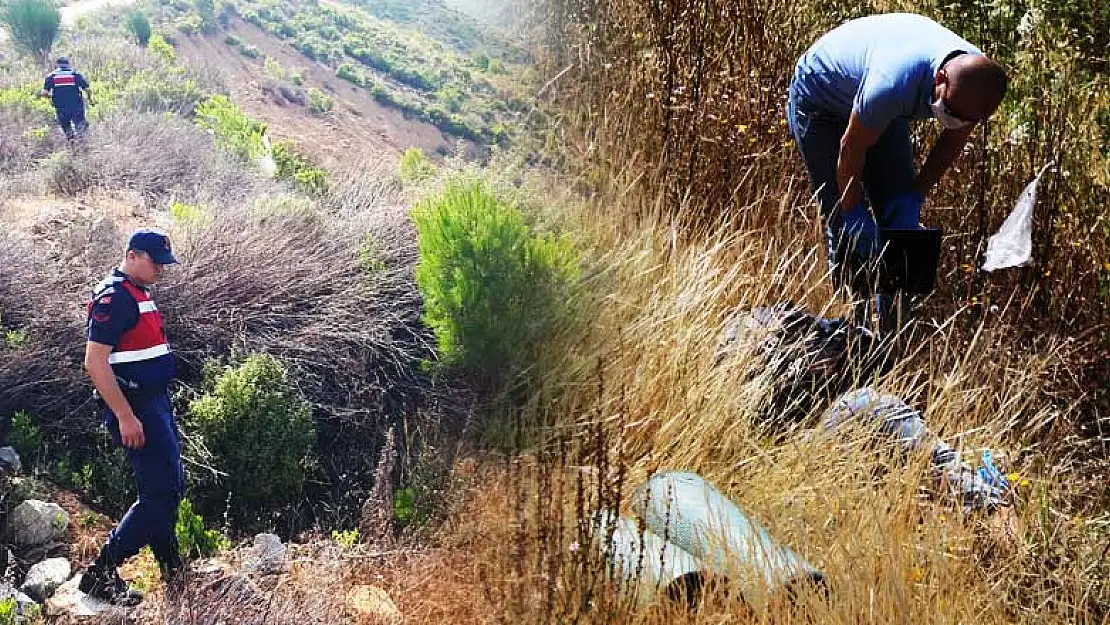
x,y
266,162
1012,245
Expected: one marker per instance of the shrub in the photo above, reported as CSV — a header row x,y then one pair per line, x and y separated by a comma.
x,y
490,286
33,24
233,129
298,169
259,431
249,51
138,24
26,437
319,102
481,61
415,167
231,40
193,540
160,46
348,72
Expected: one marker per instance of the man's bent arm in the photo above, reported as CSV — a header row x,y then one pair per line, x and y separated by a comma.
x,y
853,154
104,379
944,153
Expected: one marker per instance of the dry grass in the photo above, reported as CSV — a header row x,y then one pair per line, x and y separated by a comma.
x,y
633,390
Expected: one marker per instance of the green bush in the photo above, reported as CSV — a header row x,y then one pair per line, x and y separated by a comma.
x,y
161,46
193,540
33,24
138,24
257,430
491,287
231,40
249,51
305,175
348,72
415,167
319,102
26,437
234,131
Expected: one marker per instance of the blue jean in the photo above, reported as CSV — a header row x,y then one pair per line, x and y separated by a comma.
x,y
888,172
161,478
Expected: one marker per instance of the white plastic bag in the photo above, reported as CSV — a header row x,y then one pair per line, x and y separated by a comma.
x,y
266,162
1012,245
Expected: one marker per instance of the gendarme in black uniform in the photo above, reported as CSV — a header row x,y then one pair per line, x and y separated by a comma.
x,y
64,86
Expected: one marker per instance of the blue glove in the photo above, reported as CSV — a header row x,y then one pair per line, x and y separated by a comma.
x,y
903,211
857,226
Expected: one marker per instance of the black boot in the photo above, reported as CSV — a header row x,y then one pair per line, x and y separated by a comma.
x,y
102,581
174,570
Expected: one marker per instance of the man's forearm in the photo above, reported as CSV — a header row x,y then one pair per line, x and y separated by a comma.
x,y
104,379
849,168
940,159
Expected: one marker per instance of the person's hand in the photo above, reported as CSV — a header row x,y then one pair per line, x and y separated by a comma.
x,y
131,431
903,211
857,226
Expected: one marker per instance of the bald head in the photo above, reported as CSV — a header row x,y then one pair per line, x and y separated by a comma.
x,y
972,85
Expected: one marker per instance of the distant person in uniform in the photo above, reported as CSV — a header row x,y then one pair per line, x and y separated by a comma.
x,y
131,365
64,86
851,99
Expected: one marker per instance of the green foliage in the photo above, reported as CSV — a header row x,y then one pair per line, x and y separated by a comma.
x,y
32,24
481,61
415,167
346,539
234,131
296,79
25,100
319,102
231,40
138,24
26,437
305,175
491,287
190,24
274,68
188,215
14,339
259,431
159,46
249,51
348,72
9,613
193,540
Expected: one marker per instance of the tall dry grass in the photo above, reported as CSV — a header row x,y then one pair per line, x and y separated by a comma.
x,y
634,390
681,103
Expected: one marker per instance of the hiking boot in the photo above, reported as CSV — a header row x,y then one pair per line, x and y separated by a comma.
x,y
175,577
108,586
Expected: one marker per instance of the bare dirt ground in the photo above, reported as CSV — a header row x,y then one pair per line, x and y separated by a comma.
x,y
355,132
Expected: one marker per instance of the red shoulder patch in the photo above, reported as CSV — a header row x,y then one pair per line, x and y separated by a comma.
x,y
107,299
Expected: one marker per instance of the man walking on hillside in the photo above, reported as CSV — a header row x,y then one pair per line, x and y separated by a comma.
x,y
64,86
851,99
130,363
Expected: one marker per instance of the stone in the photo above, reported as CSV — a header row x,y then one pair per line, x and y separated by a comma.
x,y
269,554
45,577
370,605
68,600
34,523
9,460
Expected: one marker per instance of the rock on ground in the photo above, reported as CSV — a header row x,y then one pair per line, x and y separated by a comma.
x,y
34,523
45,577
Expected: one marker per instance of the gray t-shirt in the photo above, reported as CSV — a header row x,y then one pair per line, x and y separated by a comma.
x,y
881,66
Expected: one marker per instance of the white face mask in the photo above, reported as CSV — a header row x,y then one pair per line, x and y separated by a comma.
x,y
947,120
